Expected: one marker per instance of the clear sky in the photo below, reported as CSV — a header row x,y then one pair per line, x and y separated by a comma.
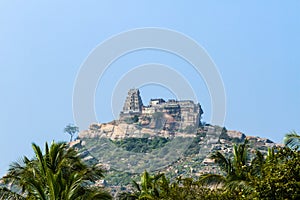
x,y
43,44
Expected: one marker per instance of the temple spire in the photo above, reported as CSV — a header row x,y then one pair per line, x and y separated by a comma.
x,y
133,102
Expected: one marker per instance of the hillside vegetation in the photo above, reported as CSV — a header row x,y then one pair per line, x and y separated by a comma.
x,y
176,155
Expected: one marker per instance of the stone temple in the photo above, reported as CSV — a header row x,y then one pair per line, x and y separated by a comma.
x,y
181,113
133,103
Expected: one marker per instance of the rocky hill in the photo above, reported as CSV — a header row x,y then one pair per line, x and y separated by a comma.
x,y
164,136
126,149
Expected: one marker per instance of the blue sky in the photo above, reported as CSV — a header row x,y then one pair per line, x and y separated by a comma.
x,y
43,44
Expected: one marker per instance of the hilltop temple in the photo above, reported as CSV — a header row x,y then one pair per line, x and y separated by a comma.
x,y
185,112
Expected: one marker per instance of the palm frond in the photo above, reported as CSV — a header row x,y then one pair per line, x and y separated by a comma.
x,y
59,173
239,185
292,140
240,154
98,195
212,179
146,196
257,163
39,156
136,185
222,161
5,193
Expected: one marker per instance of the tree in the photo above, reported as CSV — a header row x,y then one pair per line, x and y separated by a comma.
x,y
59,173
148,188
158,187
292,140
273,176
71,130
280,176
236,171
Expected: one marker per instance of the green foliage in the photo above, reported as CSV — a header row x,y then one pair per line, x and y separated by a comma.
x,y
9,194
158,187
119,178
71,130
274,176
236,170
241,175
194,148
141,145
58,173
280,176
292,140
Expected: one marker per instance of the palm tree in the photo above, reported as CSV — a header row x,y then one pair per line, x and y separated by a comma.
x,y
154,187
292,140
147,189
59,173
236,171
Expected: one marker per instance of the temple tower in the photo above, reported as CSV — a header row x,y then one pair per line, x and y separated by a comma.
x,y
133,103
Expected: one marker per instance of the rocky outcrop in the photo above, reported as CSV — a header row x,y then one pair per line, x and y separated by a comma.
x,y
121,130
211,138
95,146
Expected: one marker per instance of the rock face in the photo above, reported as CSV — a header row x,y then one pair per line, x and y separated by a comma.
x,y
121,130
96,146
208,138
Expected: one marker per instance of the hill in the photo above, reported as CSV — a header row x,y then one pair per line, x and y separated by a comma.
x,y
164,136
127,149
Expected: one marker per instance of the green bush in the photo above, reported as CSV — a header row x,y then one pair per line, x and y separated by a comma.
x,y
141,145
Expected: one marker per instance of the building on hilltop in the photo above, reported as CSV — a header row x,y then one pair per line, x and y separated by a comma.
x,y
154,102
184,112
133,104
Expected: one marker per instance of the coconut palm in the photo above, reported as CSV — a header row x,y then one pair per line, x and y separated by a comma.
x,y
158,187
236,171
147,189
59,173
292,140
